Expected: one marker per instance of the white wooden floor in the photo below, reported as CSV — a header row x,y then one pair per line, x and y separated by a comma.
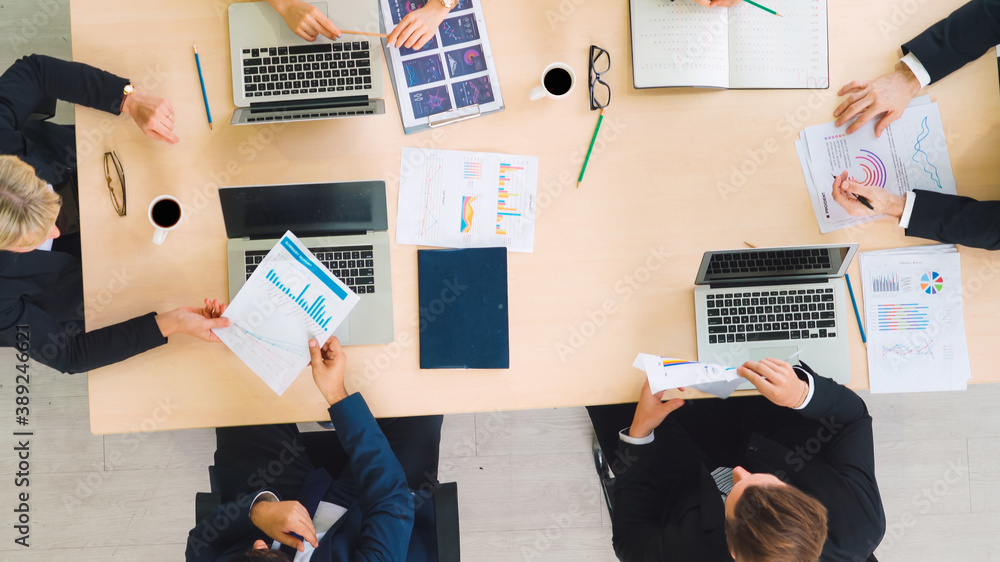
x,y
527,487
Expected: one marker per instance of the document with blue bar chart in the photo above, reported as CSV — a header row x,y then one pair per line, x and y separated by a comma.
x,y
290,298
914,319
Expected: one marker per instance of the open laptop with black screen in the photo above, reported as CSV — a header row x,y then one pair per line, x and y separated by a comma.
x,y
344,224
773,302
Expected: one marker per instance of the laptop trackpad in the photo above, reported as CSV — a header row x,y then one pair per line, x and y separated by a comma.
x,y
286,34
343,332
758,353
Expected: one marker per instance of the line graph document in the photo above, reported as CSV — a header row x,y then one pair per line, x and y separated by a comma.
x,y
915,321
290,298
911,154
456,199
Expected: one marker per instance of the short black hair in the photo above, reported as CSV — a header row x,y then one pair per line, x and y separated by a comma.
x,y
260,555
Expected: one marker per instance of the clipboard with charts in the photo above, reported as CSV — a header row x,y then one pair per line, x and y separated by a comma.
x,y
452,78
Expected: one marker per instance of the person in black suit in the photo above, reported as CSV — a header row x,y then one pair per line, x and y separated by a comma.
x,y
41,291
937,52
802,486
343,495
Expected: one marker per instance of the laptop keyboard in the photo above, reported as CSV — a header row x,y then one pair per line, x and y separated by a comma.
x,y
353,265
769,260
307,69
771,315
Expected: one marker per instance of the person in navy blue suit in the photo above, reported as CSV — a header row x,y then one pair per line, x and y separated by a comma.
x,y
341,495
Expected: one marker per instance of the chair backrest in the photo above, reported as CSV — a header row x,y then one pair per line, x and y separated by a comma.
x,y
446,514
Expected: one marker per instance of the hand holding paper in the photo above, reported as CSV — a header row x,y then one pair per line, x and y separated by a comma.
x,y
664,373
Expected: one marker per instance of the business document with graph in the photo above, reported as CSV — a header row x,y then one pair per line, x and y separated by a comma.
x,y
914,317
456,199
912,153
289,299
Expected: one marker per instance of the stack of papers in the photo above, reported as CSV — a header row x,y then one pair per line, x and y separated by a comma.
x,y
916,327
911,154
665,373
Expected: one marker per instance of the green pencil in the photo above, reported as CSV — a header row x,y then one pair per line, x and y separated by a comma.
x,y
591,149
766,9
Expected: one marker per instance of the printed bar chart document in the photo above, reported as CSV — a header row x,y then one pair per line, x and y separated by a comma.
x,y
678,44
915,321
665,373
452,76
290,298
911,154
457,199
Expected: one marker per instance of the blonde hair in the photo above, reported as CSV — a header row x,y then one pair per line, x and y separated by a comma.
x,y
28,207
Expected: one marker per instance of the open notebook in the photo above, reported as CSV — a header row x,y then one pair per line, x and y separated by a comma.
x,y
681,44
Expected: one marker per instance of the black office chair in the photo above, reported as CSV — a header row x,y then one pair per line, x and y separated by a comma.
x,y
604,473
444,516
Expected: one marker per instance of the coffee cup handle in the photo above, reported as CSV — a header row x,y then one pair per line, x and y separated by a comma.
x,y
159,235
537,93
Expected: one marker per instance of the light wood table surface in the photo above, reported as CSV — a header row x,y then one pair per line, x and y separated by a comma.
x,y
674,174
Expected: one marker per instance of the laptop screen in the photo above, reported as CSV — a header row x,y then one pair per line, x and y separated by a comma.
x,y
314,209
775,264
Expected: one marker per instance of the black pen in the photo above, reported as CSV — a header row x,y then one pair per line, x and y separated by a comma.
x,y
861,198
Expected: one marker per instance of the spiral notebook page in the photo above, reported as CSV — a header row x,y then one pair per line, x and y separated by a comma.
x,y
679,44
767,51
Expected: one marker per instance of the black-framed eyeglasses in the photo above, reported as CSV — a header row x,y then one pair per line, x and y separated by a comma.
x,y
600,92
116,183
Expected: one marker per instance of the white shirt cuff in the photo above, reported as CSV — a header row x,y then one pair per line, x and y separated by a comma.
x,y
917,69
809,396
624,436
904,219
265,496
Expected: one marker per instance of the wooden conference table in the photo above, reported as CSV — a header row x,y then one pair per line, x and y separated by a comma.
x,y
676,173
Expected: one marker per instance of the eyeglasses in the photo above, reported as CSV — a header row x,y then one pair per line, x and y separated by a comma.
x,y
116,185
600,92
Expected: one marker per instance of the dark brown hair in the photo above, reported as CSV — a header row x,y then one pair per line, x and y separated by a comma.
x,y
261,555
776,524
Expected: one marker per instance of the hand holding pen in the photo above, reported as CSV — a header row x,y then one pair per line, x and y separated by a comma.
x,y
858,199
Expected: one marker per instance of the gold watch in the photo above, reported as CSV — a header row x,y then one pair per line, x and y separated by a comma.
x,y
126,91
449,3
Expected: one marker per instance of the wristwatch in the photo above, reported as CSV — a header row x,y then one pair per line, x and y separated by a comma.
x,y
126,91
449,3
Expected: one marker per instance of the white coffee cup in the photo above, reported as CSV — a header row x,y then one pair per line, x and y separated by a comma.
x,y
557,85
167,217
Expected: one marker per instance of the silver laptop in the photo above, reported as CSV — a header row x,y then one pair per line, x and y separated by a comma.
x,y
344,224
278,76
774,302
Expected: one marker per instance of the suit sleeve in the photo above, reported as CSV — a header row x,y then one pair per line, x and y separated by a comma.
x,y
847,443
36,77
64,347
958,39
647,480
214,535
386,502
955,220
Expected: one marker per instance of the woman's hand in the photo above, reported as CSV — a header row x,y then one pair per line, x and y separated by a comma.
x,y
419,26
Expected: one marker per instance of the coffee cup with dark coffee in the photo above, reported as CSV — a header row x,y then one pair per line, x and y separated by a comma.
x,y
558,81
165,213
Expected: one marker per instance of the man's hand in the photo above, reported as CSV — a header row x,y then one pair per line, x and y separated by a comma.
x,y
279,519
419,26
306,20
888,94
776,381
194,321
651,411
153,115
718,3
885,203
328,363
